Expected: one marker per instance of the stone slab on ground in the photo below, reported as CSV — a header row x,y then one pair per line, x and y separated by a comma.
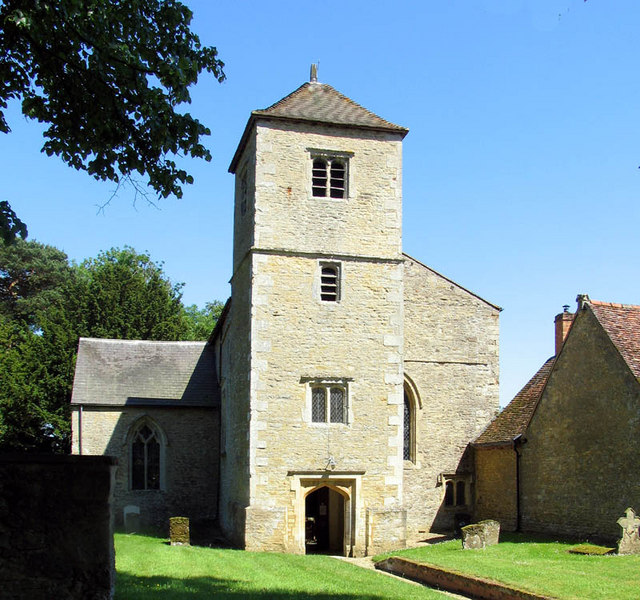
x,y
451,581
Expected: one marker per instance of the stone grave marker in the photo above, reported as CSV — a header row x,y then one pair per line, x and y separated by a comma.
x,y
480,535
179,531
629,543
132,518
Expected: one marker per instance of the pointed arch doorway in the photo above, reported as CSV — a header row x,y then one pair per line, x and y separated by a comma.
x,y
324,521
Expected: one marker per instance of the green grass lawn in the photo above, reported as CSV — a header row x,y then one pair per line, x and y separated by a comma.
x,y
539,565
148,568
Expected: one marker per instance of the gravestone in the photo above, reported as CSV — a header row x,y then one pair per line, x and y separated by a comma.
x,y
179,531
629,543
131,518
480,535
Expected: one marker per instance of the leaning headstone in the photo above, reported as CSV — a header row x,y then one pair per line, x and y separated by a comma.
x,y
629,543
480,535
179,531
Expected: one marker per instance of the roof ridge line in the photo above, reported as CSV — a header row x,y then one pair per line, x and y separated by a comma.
x,y
613,304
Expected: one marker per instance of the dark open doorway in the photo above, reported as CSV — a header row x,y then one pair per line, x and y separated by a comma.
x,y
324,522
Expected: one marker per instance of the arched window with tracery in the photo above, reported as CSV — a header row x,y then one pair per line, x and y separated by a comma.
x,y
145,457
409,429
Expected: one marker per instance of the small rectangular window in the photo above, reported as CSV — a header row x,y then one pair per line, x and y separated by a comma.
x,y
336,414
328,403
318,405
330,283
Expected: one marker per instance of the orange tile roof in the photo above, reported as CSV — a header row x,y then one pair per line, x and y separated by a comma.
x,y
622,324
514,418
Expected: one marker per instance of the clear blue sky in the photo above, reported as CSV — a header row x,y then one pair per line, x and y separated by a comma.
x,y
521,177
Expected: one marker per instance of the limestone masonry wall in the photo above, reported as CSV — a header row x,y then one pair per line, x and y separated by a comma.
x,y
495,486
366,223
451,355
56,536
189,469
235,387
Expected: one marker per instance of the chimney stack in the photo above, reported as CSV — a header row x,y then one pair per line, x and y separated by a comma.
x,y
563,323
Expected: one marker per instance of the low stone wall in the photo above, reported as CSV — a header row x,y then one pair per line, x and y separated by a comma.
x,y
451,581
56,535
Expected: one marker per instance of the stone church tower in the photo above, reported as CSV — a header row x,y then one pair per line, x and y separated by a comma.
x,y
311,374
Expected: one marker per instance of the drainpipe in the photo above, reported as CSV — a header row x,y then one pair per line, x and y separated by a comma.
x,y
80,430
517,443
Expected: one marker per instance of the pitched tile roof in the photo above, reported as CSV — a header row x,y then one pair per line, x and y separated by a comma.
x,y
515,417
144,373
622,324
320,102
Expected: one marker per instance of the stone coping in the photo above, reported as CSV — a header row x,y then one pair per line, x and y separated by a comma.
x,y
59,459
452,581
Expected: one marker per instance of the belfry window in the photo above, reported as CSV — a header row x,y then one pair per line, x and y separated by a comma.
x,y
330,282
328,404
145,459
329,177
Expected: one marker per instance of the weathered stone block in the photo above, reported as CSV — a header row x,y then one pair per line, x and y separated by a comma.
x,y
179,531
480,535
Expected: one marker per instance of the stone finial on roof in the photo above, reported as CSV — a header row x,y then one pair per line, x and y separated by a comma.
x,y
582,299
313,75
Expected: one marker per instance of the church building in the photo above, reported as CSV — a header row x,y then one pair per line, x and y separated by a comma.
x,y
332,407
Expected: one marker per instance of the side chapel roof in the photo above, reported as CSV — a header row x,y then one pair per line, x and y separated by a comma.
x,y
144,373
514,418
621,323
316,102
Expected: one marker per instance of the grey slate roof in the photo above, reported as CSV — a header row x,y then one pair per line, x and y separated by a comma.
x,y
318,103
144,373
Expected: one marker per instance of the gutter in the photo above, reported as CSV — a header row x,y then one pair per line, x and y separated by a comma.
x,y
80,430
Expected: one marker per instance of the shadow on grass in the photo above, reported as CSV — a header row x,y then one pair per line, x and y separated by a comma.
x,y
535,538
133,587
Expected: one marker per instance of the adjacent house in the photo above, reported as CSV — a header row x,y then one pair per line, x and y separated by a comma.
x,y
562,456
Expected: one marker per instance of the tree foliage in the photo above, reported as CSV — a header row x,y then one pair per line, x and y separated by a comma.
x,y
107,78
11,227
200,322
125,295
47,304
32,277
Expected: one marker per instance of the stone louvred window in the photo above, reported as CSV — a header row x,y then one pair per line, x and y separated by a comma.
x,y
330,283
145,460
329,178
328,401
